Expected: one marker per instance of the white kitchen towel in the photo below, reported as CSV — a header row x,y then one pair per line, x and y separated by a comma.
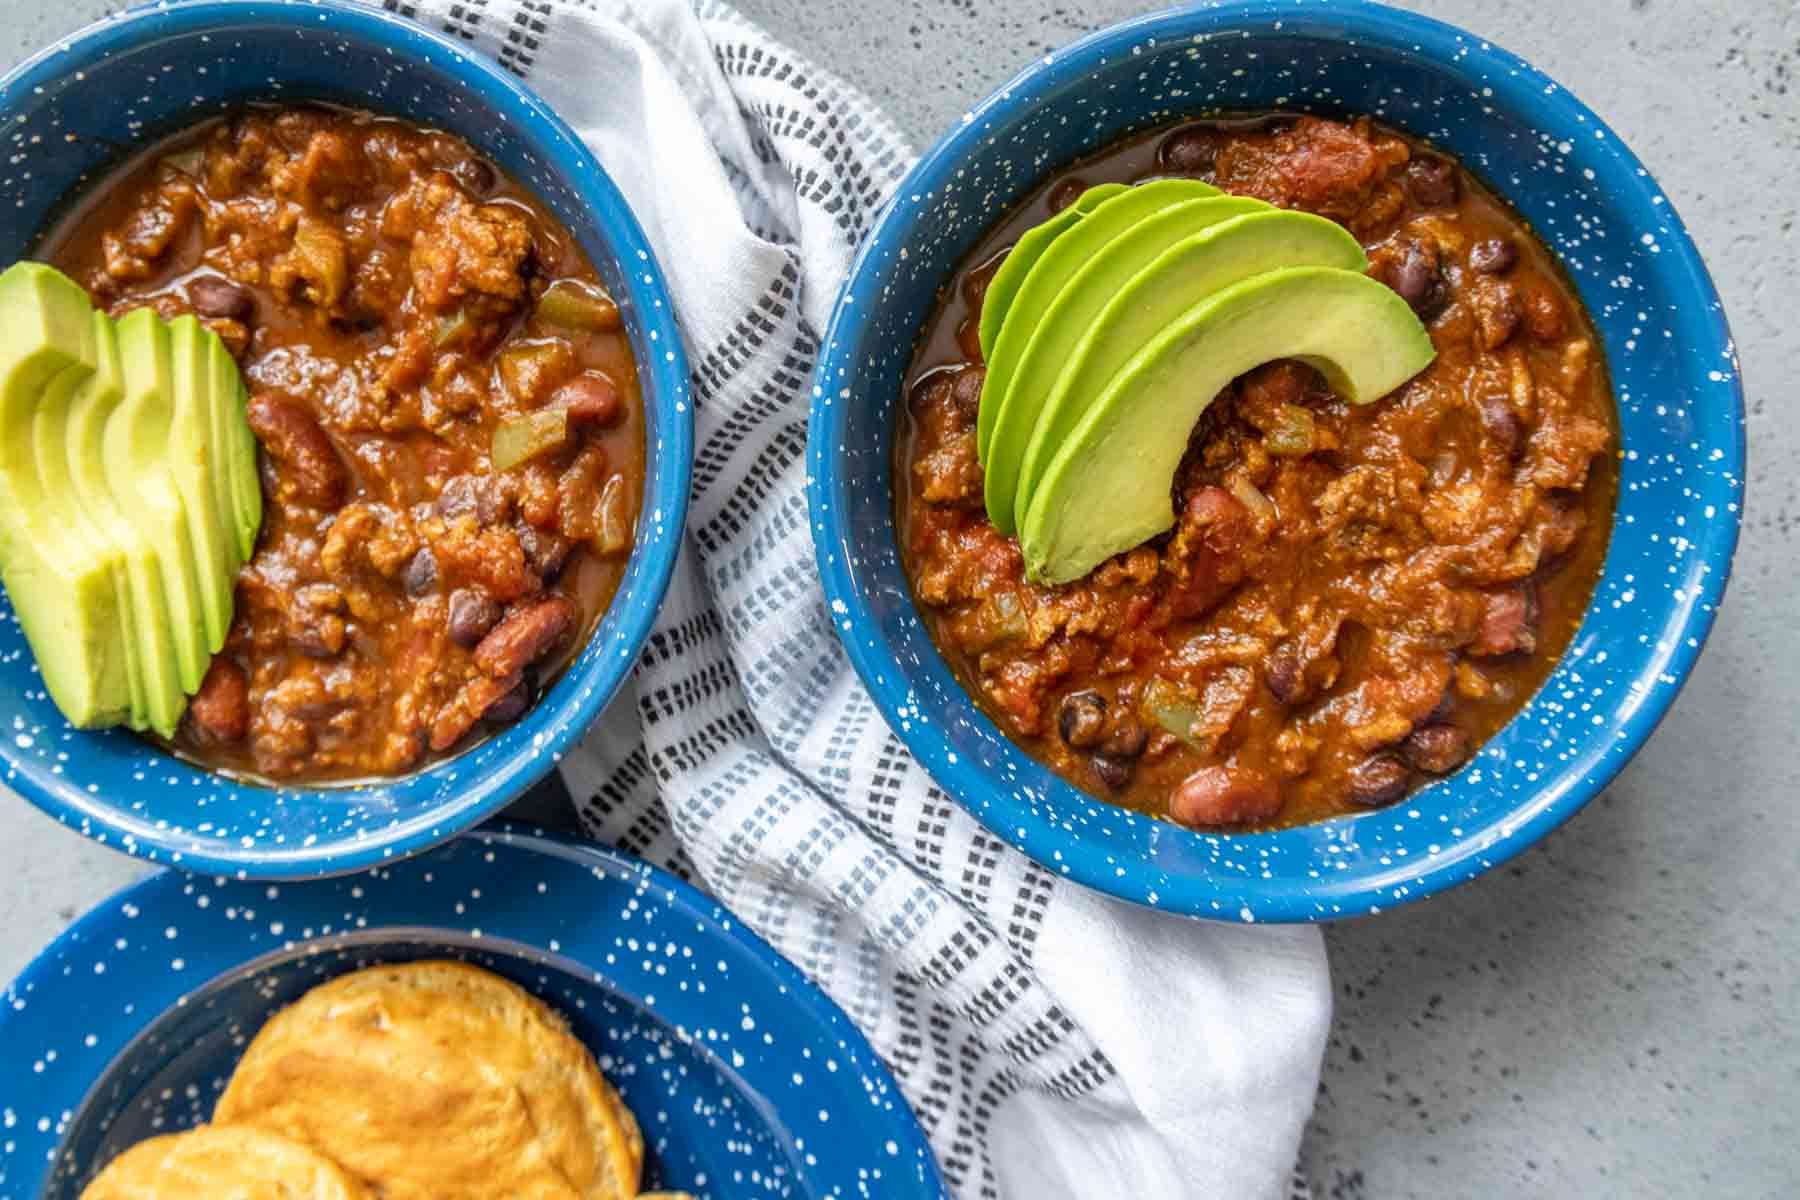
x,y
1056,1045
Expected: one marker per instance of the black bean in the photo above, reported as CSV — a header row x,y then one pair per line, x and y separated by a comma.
x,y
1082,719
217,296
1115,773
1432,181
421,573
1502,424
1418,280
1189,152
472,614
548,553
476,175
966,391
1379,780
509,707
1127,740
1281,672
1436,749
1496,256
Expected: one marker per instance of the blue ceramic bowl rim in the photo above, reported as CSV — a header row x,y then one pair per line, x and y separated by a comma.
x,y
677,1008
564,714
1518,86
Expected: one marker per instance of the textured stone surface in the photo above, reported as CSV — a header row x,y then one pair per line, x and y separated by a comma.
x,y
1603,1017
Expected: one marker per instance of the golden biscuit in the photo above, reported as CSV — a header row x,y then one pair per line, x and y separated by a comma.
x,y
438,1081
223,1163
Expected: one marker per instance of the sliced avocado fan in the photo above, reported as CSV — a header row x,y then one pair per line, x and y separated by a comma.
x,y
1107,487
1117,317
123,514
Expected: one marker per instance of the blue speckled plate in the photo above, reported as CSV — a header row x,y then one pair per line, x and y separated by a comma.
x,y
1673,366
65,115
746,1079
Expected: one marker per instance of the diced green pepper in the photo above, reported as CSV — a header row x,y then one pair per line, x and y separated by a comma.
x,y
521,439
615,517
575,305
1166,704
1292,436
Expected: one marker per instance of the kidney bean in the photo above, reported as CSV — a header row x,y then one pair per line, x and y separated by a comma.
x,y
472,614
217,296
220,710
421,573
477,697
509,707
1127,740
526,635
1432,181
1436,749
590,399
307,463
1081,719
1495,256
1379,780
1189,152
1509,623
1214,796
1115,773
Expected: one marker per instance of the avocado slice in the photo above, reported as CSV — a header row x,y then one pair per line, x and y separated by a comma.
x,y
237,447
50,447
141,472
1058,264
1107,488
1109,265
65,601
159,702
195,469
1093,342
997,301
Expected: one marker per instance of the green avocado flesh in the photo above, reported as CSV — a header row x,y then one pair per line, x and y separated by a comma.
x,y
65,601
1119,314
1106,267
147,633
1055,267
997,301
1107,487
191,443
122,527
136,455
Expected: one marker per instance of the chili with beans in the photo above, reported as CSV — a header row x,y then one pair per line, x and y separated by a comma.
x,y
401,311
1353,599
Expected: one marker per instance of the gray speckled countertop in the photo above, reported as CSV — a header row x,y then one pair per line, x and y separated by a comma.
x,y
1604,1017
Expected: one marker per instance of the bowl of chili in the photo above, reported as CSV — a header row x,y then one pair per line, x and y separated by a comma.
x,y
530,291
1391,83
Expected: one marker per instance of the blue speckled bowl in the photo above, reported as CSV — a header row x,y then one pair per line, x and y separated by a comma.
x,y
747,1080
1680,406
65,115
